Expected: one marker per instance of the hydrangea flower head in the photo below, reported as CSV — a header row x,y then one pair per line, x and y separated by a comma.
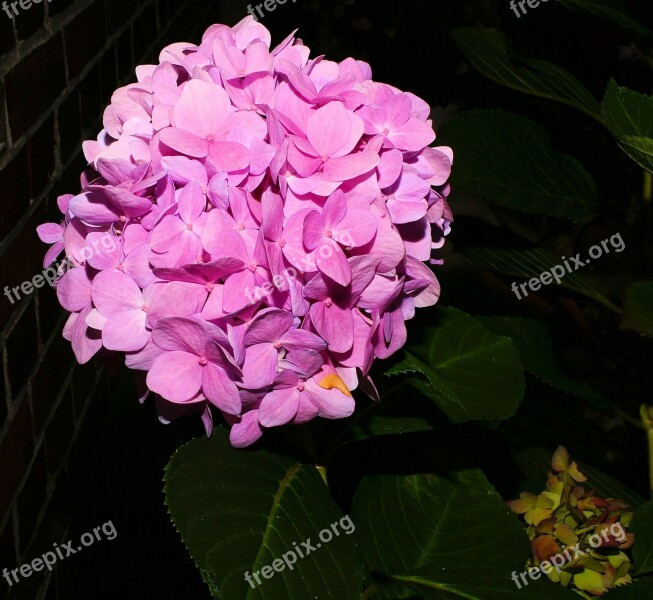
x,y
252,229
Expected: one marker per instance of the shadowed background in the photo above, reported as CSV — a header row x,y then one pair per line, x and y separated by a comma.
x,y
76,449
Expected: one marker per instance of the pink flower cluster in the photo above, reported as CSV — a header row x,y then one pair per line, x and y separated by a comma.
x,y
271,215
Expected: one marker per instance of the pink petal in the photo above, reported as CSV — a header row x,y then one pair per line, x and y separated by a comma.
x,y
93,209
220,390
279,407
260,366
114,293
177,376
268,326
331,260
100,257
184,142
74,290
184,170
86,342
313,230
53,252
125,332
49,233
413,136
202,108
181,334
357,228
335,325
247,431
191,202
334,209
396,111
166,233
228,156
332,404
350,167
333,131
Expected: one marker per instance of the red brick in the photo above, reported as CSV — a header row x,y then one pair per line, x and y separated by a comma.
x,y
90,99
22,347
144,32
15,454
7,38
40,157
70,128
30,20
124,56
49,378
59,432
31,500
26,252
14,183
43,66
117,13
8,546
58,6
85,35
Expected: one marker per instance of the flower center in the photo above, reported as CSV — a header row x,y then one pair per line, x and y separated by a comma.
x,y
202,361
300,386
252,266
145,307
328,233
277,345
209,287
328,302
189,226
210,137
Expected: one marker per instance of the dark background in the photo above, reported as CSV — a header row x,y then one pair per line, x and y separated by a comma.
x,y
76,449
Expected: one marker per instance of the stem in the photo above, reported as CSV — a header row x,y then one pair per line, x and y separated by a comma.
x,y
632,420
647,192
333,446
309,444
646,413
370,591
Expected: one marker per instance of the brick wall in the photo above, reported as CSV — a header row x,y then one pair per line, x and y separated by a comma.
x,y
59,63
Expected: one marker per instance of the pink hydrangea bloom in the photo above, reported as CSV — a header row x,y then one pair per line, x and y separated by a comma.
x,y
252,230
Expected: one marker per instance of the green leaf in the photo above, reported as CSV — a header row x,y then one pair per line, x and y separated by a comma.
x,y
638,308
538,353
489,52
612,10
239,511
470,373
642,527
376,425
629,116
535,463
640,589
532,263
509,160
445,536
